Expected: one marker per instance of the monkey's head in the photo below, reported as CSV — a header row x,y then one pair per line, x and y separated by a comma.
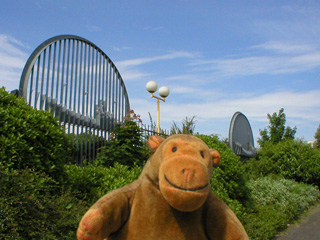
x,y
182,165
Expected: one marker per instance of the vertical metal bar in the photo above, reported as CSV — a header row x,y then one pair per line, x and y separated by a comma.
x,y
72,98
84,135
84,80
119,96
113,87
87,102
99,81
76,80
91,102
75,102
96,94
42,79
62,77
54,69
67,76
48,77
80,77
95,104
67,117
103,132
109,123
122,104
91,85
31,85
99,131
58,72
80,135
71,90
105,103
37,83
127,104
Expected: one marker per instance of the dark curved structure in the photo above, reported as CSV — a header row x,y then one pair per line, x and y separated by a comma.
x,y
241,137
75,80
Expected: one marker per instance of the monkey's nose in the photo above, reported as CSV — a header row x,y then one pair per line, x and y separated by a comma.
x,y
188,174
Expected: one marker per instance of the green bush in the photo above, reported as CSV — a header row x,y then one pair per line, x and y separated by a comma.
x,y
92,145
227,179
30,138
30,210
126,146
276,202
292,159
92,182
229,173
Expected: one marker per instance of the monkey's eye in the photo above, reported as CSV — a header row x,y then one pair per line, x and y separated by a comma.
x,y
174,149
202,154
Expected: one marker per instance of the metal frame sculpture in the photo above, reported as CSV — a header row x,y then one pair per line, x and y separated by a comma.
x,y
75,80
241,136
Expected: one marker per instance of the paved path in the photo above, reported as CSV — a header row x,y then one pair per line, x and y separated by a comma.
x,y
307,229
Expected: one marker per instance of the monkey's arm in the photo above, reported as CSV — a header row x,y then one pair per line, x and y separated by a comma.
x,y
107,215
222,223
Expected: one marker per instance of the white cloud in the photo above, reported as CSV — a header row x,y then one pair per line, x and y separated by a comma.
x,y
282,47
140,61
287,60
132,74
129,68
12,61
120,49
94,28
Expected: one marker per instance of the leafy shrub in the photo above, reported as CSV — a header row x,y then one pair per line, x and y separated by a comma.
x,y
92,145
126,145
92,182
227,179
276,202
29,210
30,138
292,159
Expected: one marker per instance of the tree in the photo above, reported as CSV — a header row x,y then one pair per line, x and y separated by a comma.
x,y
126,144
276,131
317,137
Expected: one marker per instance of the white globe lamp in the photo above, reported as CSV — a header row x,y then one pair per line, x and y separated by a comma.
x,y
164,91
151,86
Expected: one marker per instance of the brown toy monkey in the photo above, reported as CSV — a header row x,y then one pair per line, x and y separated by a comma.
x,y
171,199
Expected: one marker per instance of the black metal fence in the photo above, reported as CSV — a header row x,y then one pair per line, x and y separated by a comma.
x,y
89,144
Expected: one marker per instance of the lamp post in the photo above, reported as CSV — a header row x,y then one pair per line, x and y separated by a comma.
x,y
152,87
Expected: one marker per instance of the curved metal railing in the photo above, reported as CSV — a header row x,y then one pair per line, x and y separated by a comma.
x,y
75,80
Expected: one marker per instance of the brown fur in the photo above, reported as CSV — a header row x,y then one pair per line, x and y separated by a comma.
x,y
170,200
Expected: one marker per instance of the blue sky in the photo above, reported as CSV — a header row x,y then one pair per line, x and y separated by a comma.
x,y
216,57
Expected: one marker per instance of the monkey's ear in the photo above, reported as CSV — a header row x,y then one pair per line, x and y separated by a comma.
x,y
215,157
154,142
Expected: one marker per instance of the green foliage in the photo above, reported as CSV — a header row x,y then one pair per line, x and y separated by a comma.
x,y
126,145
276,202
92,182
30,138
30,210
317,137
292,159
227,179
188,126
276,131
